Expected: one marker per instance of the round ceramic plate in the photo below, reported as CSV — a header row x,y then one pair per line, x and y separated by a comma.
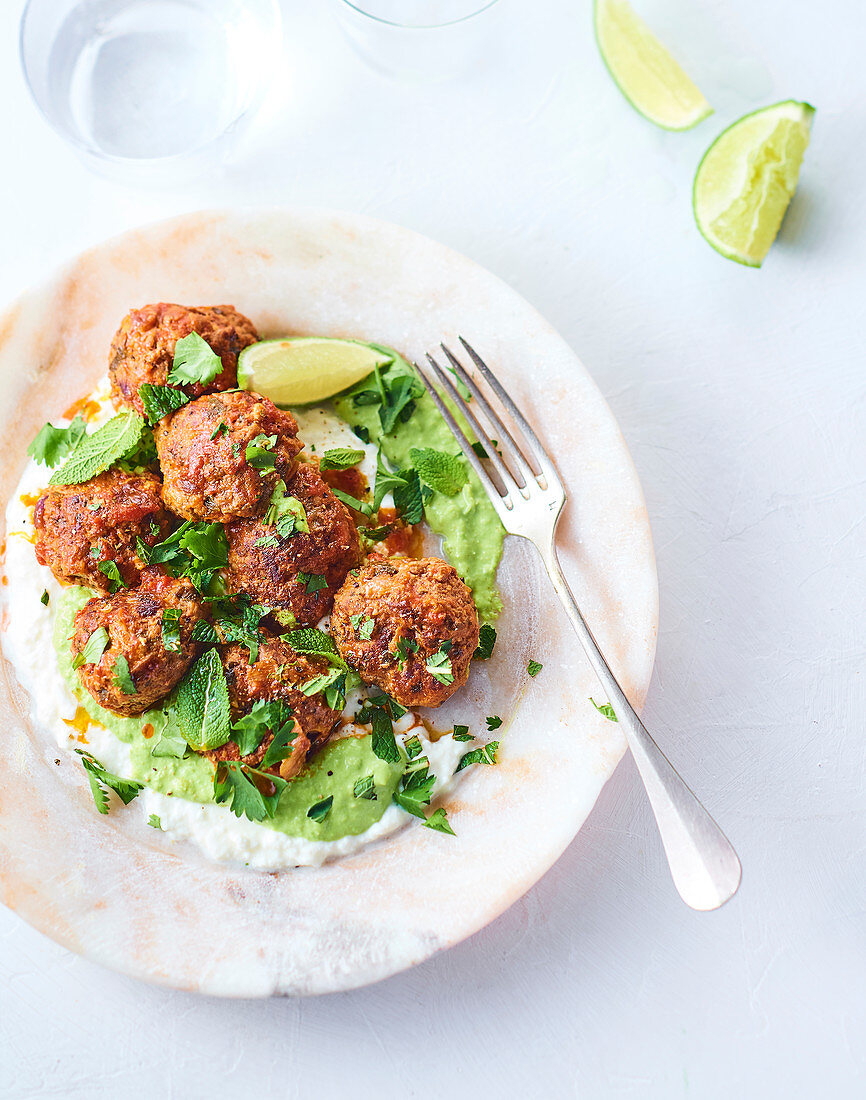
x,y
120,893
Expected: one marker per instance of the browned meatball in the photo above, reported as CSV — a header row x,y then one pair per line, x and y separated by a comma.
x,y
423,619
133,619
276,674
143,347
203,454
79,526
267,567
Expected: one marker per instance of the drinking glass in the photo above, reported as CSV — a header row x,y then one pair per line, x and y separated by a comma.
x,y
156,89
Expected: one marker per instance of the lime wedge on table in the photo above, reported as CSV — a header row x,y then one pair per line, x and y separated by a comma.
x,y
747,177
300,369
647,75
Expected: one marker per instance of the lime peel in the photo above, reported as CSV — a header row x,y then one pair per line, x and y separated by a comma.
x,y
646,73
747,178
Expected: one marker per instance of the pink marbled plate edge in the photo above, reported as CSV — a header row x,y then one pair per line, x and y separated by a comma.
x,y
105,888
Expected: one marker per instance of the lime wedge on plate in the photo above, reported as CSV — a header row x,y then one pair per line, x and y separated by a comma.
x,y
301,369
747,177
649,78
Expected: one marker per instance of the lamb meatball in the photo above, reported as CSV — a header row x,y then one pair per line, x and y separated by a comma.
x,y
143,347
276,674
80,526
267,567
133,620
423,615
202,451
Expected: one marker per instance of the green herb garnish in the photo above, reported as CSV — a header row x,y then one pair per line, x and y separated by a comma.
x,y
363,626
170,623
383,742
486,754
43,599
52,445
286,513
365,788
340,458
93,649
159,401
443,472
154,822
99,778
438,820
122,677
258,453
202,704
606,709
534,667
95,453
439,665
312,582
486,642
320,811
194,362
461,733
111,573
238,785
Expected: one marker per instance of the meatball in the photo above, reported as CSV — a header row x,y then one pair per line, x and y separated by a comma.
x,y
143,347
424,621
78,527
203,454
300,572
133,620
277,674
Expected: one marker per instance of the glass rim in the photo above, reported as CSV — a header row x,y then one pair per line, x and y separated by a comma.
x,y
419,26
92,149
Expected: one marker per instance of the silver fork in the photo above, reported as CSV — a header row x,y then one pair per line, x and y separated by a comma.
x,y
529,497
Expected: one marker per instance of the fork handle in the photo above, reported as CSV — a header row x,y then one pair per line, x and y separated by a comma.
x,y
702,861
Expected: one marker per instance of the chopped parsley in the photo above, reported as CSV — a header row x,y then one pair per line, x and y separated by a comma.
x,y
493,722
159,401
320,810
534,667
486,642
194,362
266,716
606,709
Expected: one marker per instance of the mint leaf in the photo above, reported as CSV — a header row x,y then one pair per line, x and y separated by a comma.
x,y
321,683
409,498
412,747
170,624
122,677
438,820
340,458
416,787
194,361
534,667
320,811
51,444
171,745
443,472
375,534
100,450
202,704
315,643
383,743
94,647
486,754
606,709
353,502
111,572
99,778
203,632
159,401
365,788
486,642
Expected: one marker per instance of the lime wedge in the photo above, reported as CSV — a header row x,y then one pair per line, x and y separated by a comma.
x,y
300,369
746,179
647,75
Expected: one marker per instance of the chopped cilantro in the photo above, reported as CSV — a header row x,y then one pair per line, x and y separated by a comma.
x,y
43,599
258,453
122,677
363,626
286,513
111,572
493,722
266,716
171,629
461,733
534,667
241,786
404,647
99,778
312,582
340,458
154,822
486,754
486,642
194,361
320,811
93,649
439,666
606,709
159,401
438,820
221,429
281,745
52,445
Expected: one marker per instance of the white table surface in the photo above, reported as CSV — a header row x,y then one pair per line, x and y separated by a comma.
x,y
741,395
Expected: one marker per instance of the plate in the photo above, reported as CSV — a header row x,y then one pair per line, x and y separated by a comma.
x,y
117,892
